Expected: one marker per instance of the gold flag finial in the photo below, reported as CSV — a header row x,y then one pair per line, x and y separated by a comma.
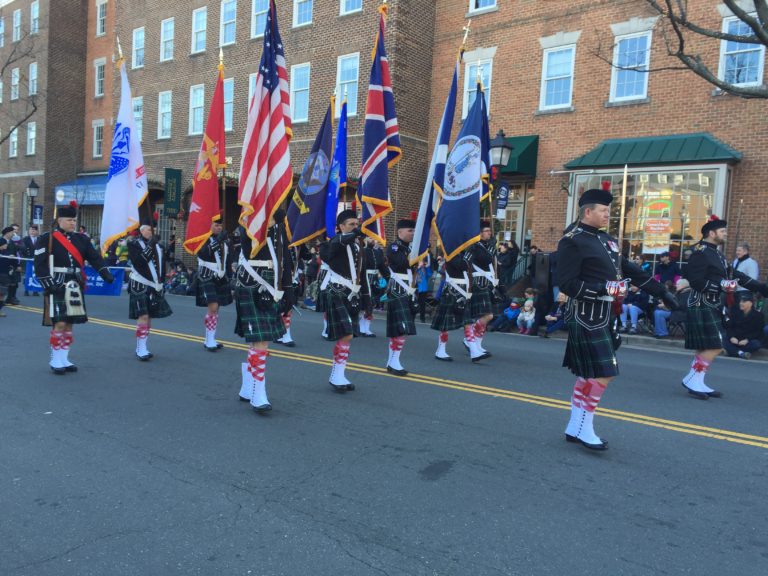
x,y
466,32
221,60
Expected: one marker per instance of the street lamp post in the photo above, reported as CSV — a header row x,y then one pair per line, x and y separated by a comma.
x,y
499,152
32,190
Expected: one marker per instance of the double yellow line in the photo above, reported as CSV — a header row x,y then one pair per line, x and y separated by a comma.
x,y
673,425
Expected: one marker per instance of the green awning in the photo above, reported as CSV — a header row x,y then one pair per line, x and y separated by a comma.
x,y
672,149
525,153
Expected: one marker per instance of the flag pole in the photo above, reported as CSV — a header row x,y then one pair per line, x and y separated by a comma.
x,y
623,208
223,166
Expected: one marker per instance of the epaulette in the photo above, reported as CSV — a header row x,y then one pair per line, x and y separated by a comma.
x,y
573,232
700,247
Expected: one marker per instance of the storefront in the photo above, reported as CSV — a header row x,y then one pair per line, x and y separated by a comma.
x,y
514,218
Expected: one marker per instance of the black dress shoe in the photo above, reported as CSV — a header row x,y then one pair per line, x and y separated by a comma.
x,y
695,394
597,447
396,372
219,346
569,438
243,399
70,368
290,344
444,359
211,348
365,335
481,357
715,394
262,409
340,388
59,371
350,387
144,358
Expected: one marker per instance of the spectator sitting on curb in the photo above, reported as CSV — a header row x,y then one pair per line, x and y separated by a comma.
x,y
636,304
666,269
744,329
527,319
662,315
504,321
556,317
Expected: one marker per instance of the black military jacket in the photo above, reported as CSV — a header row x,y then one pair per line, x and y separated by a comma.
x,y
280,244
334,253
706,268
208,251
63,259
141,254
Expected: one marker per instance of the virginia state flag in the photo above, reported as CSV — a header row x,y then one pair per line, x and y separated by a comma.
x,y
465,182
306,212
204,207
429,200
338,179
381,141
127,179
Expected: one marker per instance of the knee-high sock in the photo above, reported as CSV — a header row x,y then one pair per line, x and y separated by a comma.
x,y
142,335
588,395
246,386
340,359
471,341
695,377
396,345
57,341
442,342
257,367
211,321
325,325
572,429
287,317
66,344
479,329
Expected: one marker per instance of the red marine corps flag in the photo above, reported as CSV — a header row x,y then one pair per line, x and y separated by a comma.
x,y
204,207
266,176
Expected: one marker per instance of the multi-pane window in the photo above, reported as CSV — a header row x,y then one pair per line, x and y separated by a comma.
x,y
302,12
347,72
98,138
480,4
16,25
137,57
199,25
2,31
482,70
100,67
259,10
740,63
300,92
229,100
251,88
164,110
31,138
166,40
557,78
196,102
348,6
13,144
34,17
138,116
15,84
101,18
629,76
32,78
228,27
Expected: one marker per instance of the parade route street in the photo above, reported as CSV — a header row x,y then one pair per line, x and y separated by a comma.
x,y
155,469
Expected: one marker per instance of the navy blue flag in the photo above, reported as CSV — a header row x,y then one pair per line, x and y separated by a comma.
x,y
466,182
306,212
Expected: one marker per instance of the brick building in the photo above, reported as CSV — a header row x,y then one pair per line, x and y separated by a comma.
x,y
173,50
47,143
691,150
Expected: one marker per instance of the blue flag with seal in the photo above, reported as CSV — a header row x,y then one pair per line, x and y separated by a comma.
x,y
338,178
429,200
466,182
305,218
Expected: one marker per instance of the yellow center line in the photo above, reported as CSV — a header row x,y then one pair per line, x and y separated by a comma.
x,y
645,420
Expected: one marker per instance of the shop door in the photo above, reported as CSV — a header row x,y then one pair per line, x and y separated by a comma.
x,y
512,226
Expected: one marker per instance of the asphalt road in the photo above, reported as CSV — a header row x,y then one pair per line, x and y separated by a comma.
x,y
131,468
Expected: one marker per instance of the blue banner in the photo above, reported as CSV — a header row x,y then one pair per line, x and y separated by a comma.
x,y
96,285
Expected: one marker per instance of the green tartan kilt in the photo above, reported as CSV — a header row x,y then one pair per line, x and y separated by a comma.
x,y
449,315
591,353
399,317
147,302
60,309
703,328
322,295
213,291
481,303
343,314
258,319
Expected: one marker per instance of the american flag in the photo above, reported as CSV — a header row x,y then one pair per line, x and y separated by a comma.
x,y
381,141
266,175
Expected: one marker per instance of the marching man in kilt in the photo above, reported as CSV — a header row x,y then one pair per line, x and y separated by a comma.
x,y
400,295
592,271
146,291
710,275
481,263
290,284
454,308
257,295
213,290
343,254
60,269
373,260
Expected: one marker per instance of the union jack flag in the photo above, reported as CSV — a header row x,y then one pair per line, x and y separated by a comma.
x,y
266,175
381,141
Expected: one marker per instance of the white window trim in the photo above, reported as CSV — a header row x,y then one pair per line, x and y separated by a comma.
x,y
190,131
163,40
343,12
232,104
473,81
296,15
34,30
340,92
2,31
160,135
133,112
472,11
32,125
615,71
134,66
721,65
96,63
96,124
542,88
32,91
256,33
15,84
308,66
221,25
204,30
251,88
14,27
13,139
99,4
2,86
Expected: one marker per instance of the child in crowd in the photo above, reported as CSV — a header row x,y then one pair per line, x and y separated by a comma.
x,y
526,320
504,321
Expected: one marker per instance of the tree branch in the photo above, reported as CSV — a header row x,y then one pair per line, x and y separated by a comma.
x,y
760,32
682,20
